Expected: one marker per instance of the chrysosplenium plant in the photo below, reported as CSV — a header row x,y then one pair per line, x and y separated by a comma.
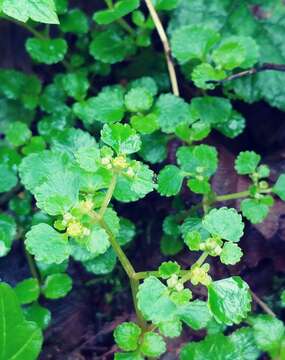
x,y
81,137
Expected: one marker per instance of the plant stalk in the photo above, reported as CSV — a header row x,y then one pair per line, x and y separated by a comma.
x,y
109,195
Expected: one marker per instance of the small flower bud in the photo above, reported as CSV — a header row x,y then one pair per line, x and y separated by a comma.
x,y
172,281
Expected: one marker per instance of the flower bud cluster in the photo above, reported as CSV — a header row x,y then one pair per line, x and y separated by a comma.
x,y
199,275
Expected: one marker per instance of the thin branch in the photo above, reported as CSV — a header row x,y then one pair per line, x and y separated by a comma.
x,y
166,46
252,71
262,304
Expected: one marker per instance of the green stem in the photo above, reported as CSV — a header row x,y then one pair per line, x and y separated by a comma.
x,y
135,287
37,34
108,196
233,196
121,22
145,274
32,266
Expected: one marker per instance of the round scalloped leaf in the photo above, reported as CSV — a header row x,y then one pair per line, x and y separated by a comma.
x,y
245,344
111,46
75,21
229,300
246,162
47,245
127,336
198,160
170,329
172,111
152,344
195,314
18,133
225,223
153,148
254,210
203,73
168,268
138,100
233,127
27,290
170,180
279,187
231,254
229,54
97,242
193,42
121,137
46,51
102,264
75,85
57,286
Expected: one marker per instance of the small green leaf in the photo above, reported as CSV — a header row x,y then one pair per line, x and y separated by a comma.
x,y
28,342
75,85
22,10
170,245
229,300
170,180
47,244
199,186
171,111
46,51
170,329
57,286
268,333
204,73
111,46
211,109
75,21
193,42
138,100
254,210
120,9
127,336
230,54
128,356
146,82
127,231
102,264
145,124
121,137
231,254
199,160
246,162
7,233
8,178
153,148
193,240
18,133
279,187
225,223
195,314
38,314
233,127
98,241
168,268
153,301
27,290
152,344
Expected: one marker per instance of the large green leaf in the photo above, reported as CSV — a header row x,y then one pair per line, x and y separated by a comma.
x,y
19,339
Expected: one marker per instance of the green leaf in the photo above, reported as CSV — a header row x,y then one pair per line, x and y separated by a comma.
x,y
61,6
27,290
231,254
38,314
146,82
7,233
98,241
121,137
120,9
22,10
153,148
195,314
225,223
46,244
145,124
170,329
166,4
171,111
169,268
193,240
75,21
268,333
246,162
230,54
211,109
36,144
193,42
229,300
199,186
18,133
279,187
111,46
8,178
127,231
170,180
152,344
205,72
254,210
128,356
75,85
59,193
57,286
28,342
52,98
199,160
233,127
49,269
46,51
127,336
170,245
88,158
102,264
213,347
138,100
153,301
244,343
